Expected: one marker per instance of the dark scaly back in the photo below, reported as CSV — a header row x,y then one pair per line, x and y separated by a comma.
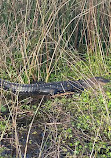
x,y
20,88
42,88
53,87
37,88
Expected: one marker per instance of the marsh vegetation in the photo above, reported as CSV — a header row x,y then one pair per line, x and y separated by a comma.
x,y
55,40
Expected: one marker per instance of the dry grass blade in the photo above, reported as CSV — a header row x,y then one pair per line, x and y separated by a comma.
x,y
30,126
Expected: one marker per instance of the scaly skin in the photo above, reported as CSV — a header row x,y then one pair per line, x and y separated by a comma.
x,y
53,88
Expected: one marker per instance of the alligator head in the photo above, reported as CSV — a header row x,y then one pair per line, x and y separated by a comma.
x,y
94,82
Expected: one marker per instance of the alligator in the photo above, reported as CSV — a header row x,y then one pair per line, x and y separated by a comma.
x,y
53,88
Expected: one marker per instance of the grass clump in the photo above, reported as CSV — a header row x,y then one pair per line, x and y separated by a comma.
x,y
82,124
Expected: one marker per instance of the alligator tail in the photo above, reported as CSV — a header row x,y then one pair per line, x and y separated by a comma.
x,y
19,88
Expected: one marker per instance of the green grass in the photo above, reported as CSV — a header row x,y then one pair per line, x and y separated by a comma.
x,y
56,41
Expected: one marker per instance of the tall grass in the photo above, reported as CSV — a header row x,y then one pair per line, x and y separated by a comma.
x,y
37,36
53,41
